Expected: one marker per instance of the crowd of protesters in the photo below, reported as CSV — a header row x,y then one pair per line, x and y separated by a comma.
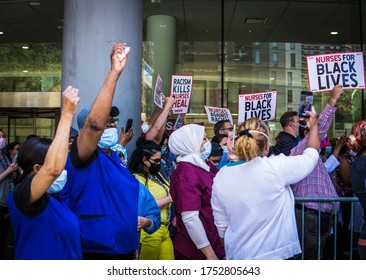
x,y
178,196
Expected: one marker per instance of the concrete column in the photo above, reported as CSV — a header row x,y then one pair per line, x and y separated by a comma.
x,y
90,29
161,45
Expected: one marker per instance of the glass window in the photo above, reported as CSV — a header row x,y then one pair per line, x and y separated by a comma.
x,y
289,78
293,60
275,58
257,57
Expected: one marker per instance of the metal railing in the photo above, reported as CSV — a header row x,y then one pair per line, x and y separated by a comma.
x,y
335,218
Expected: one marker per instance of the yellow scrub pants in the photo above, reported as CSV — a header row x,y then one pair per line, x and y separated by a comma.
x,y
156,246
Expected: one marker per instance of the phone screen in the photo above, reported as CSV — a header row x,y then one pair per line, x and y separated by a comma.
x,y
306,102
128,124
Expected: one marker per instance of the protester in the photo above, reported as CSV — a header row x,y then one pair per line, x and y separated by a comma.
x,y
100,190
317,185
191,187
223,127
286,139
44,229
144,164
216,154
7,170
167,158
252,202
358,181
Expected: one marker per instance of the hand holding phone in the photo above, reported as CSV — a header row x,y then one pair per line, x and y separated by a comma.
x,y
306,103
128,125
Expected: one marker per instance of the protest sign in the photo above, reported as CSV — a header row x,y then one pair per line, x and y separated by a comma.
x,y
326,71
173,124
178,122
158,100
261,105
147,74
181,89
215,114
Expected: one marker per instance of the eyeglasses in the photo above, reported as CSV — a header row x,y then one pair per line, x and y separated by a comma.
x,y
156,161
228,128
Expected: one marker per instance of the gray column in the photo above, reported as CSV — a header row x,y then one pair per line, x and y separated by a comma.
x,y
90,29
161,44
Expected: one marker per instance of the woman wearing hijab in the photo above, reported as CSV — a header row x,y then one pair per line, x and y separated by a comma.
x,y
191,186
252,201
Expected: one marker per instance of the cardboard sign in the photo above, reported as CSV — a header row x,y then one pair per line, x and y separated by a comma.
x,y
261,105
215,114
181,89
158,100
326,71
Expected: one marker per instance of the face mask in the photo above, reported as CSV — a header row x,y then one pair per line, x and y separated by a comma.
x,y
2,143
352,153
206,153
109,138
163,150
154,168
145,127
328,150
59,183
225,149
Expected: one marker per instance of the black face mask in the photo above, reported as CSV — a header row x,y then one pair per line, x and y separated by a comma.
x,y
154,168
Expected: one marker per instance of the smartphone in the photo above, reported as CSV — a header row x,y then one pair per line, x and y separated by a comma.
x,y
128,124
306,103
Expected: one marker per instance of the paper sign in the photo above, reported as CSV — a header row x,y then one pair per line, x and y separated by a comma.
x,y
326,71
215,114
179,122
181,89
158,100
174,124
147,74
261,105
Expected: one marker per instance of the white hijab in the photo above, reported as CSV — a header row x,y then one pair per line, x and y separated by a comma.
x,y
185,144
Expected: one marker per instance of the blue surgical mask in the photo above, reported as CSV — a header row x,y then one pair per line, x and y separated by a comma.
x,y
206,153
352,153
109,138
225,149
59,183
328,150
163,150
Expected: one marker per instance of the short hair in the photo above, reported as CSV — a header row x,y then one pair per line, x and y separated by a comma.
x,y
220,125
287,117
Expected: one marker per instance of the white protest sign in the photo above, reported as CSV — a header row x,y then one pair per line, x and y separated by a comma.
x,y
158,100
215,114
326,71
181,89
261,105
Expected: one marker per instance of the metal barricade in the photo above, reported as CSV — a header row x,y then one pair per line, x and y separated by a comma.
x,y
352,200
